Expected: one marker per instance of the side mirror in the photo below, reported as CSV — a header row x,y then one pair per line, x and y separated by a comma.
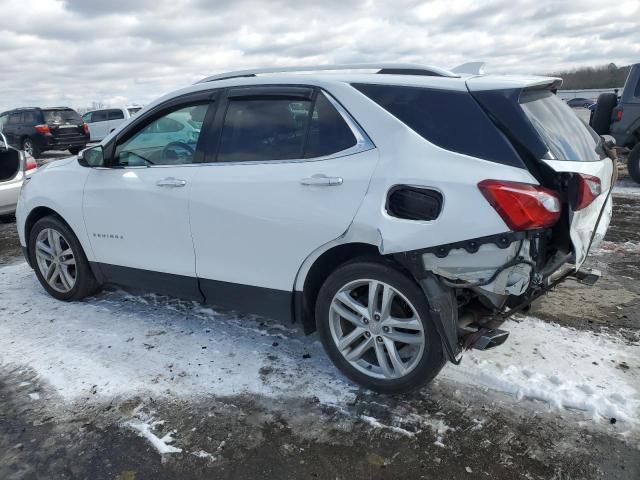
x,y
92,157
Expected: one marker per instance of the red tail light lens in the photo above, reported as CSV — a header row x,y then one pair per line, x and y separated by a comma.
x,y
85,128
43,129
522,206
30,163
617,114
589,187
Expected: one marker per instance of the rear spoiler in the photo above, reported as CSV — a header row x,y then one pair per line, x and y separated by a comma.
x,y
494,82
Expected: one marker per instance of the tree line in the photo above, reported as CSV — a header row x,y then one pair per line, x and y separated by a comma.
x,y
605,76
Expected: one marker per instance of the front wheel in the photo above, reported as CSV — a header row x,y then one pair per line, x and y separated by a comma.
x,y
375,325
633,163
59,261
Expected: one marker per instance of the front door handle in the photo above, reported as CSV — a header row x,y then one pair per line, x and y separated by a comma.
x,y
171,182
321,180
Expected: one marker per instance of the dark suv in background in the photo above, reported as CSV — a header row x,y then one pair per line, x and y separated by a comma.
x,y
36,130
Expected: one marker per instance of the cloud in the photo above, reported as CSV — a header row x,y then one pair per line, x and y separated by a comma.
x,y
77,52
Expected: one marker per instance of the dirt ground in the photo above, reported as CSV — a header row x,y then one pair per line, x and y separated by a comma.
x,y
446,430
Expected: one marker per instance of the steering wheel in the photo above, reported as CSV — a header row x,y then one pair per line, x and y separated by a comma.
x,y
172,147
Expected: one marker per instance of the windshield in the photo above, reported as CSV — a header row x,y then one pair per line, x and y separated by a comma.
x,y
61,116
567,137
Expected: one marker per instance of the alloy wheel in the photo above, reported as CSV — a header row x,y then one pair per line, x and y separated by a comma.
x,y
376,329
56,260
27,146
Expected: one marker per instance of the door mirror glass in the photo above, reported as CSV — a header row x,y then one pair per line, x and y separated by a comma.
x,y
92,157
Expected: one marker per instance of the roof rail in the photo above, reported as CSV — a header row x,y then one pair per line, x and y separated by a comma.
x,y
383,68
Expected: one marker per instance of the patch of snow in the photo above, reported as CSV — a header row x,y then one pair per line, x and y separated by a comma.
x,y
112,342
626,188
203,454
34,396
617,247
375,423
561,366
24,384
160,444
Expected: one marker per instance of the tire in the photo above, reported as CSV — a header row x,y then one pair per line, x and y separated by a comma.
x,y
633,163
76,150
601,120
423,362
84,283
29,146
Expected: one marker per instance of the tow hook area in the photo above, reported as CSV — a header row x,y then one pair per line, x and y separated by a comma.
x,y
481,338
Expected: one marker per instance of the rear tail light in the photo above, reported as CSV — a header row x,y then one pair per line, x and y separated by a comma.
x,y
589,187
30,163
522,206
85,128
617,114
43,129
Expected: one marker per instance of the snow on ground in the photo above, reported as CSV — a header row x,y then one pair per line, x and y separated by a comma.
x,y
626,187
120,345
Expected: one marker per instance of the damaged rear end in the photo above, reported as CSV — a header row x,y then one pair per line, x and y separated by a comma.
x,y
550,226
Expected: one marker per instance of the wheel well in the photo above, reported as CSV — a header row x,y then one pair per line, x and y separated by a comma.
x,y
35,215
324,265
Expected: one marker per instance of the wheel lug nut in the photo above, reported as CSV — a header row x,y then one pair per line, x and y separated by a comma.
x,y
367,334
385,329
379,339
365,321
376,317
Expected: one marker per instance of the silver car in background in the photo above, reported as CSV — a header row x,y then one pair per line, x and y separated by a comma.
x,y
15,166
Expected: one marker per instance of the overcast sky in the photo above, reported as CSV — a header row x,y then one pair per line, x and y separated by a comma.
x,y
76,52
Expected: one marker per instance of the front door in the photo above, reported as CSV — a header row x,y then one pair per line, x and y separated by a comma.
x,y
288,175
137,210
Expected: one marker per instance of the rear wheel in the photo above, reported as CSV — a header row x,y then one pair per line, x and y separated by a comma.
x,y
30,147
633,163
375,325
59,261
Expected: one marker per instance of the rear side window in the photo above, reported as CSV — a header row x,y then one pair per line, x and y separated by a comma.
x,y
87,117
449,119
61,116
116,115
260,129
30,118
257,129
566,136
328,132
15,118
99,116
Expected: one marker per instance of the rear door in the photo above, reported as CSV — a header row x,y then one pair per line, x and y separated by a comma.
x,y
285,175
116,117
573,148
99,126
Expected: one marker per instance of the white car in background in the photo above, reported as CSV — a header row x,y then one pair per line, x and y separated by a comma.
x,y
15,166
104,121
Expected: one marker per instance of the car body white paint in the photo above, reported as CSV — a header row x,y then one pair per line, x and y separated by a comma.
x,y
251,223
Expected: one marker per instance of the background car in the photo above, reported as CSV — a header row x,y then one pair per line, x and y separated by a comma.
x,y
580,102
102,122
36,130
15,166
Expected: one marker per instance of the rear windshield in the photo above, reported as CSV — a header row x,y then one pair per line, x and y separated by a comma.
x,y
61,116
566,136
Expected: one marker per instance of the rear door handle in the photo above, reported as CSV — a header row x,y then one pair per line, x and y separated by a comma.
x,y
171,182
321,180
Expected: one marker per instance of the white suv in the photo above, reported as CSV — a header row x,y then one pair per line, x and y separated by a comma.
x,y
403,213
102,122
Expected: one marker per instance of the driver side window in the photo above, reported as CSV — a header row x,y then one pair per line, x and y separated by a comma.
x,y
168,140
